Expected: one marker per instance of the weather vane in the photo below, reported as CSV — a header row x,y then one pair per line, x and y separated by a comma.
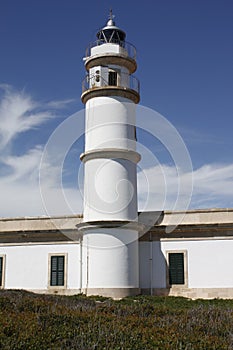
x,y
111,16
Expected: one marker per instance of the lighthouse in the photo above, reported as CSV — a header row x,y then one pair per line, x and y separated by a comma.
x,y
110,229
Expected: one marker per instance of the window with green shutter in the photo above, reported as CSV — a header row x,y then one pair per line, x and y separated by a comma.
x,y
57,270
1,271
176,268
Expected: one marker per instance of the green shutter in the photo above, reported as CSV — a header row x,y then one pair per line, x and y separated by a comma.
x,y
57,270
1,270
176,268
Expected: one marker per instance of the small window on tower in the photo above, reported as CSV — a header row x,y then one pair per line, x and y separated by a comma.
x,y
97,76
135,133
112,78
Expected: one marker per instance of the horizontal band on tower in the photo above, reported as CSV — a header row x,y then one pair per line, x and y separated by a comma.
x,y
110,58
131,94
111,153
124,224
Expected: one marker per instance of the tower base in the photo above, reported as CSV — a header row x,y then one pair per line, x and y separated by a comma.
x,y
115,293
110,262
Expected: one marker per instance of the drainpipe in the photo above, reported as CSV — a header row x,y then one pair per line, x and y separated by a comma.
x,y
151,264
87,267
81,264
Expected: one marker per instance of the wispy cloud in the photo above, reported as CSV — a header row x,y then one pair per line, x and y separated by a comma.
x,y
197,137
22,167
212,187
19,113
19,179
60,104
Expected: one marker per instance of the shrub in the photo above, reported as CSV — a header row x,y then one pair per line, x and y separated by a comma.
x,y
32,321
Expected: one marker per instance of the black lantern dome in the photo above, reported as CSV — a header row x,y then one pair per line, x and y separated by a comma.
x,y
111,33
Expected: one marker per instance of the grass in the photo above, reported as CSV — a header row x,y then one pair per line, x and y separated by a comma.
x,y
43,322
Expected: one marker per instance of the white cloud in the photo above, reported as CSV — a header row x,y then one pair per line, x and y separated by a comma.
x,y
60,104
214,179
21,193
194,136
19,183
22,166
212,187
24,199
19,113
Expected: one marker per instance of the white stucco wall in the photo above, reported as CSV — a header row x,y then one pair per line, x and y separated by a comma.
x,y
26,266
108,48
209,262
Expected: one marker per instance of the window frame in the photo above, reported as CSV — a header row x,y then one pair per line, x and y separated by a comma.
x,y
65,255
115,73
185,255
2,276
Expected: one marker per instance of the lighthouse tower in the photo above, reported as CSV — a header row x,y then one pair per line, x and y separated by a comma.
x,y
110,229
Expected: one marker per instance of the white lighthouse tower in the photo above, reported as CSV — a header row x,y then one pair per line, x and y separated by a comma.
x,y
110,228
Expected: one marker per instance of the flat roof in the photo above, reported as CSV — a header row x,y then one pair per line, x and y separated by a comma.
x,y
152,218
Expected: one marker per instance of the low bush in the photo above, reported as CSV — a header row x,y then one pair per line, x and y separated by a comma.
x,y
32,321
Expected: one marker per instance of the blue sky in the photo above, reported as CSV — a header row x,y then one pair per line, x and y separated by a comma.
x,y
185,67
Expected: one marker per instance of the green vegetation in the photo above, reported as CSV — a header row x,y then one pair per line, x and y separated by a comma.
x,y
32,321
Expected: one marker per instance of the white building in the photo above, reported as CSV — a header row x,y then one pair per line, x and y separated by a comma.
x,y
110,250
35,255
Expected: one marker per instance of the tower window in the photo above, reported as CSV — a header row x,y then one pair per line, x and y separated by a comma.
x,y
97,76
112,78
176,268
57,270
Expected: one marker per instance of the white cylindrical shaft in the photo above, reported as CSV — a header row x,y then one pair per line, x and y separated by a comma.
x,y
110,123
110,186
110,258
110,190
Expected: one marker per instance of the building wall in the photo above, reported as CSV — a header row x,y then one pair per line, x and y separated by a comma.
x,y
205,237
209,267
27,266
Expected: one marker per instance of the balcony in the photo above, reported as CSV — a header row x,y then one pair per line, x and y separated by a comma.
x,y
122,80
115,52
126,48
124,85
